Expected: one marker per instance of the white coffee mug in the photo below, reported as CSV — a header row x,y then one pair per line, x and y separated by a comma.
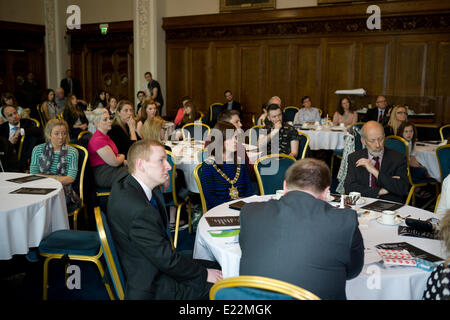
x,y
279,194
342,125
388,217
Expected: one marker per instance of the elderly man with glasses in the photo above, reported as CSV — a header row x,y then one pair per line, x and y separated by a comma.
x,y
381,113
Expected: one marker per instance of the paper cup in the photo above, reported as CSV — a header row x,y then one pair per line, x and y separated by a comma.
x,y
388,217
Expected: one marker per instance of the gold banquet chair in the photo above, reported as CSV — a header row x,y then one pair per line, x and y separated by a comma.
x,y
82,161
271,182
257,288
189,130
197,176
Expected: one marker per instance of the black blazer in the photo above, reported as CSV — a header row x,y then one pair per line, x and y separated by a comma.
x,y
121,138
235,106
75,86
33,137
372,114
393,164
301,240
151,269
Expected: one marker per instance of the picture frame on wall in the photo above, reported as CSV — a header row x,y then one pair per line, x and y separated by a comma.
x,y
239,5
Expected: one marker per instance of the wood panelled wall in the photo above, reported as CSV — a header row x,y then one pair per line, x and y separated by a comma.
x,y
313,51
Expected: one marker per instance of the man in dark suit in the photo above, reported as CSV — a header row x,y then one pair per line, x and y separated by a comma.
x,y
377,172
302,239
381,113
14,128
70,85
230,104
139,227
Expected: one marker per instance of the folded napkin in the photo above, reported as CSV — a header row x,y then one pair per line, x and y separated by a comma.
x,y
360,92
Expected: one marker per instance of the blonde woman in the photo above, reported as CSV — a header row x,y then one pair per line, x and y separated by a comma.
x,y
56,159
149,110
123,130
398,116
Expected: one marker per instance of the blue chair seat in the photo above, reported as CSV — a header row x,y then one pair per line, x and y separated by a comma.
x,y
71,242
420,181
339,152
102,190
243,293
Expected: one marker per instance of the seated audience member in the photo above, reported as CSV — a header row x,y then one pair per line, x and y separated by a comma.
x,y
104,158
279,238
56,159
307,113
381,112
377,172
100,100
224,178
262,117
407,130
345,113
149,111
60,99
274,100
8,156
123,131
138,222
75,117
9,100
15,128
398,116
180,112
141,97
112,106
190,114
438,283
279,133
49,107
443,207
230,103
153,129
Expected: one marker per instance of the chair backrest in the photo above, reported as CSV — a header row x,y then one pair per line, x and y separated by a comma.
x,y
270,171
214,110
41,115
84,137
444,131
36,123
197,175
82,161
303,145
437,203
19,153
320,112
199,131
202,155
443,155
356,130
257,288
110,253
172,159
254,135
290,112
398,144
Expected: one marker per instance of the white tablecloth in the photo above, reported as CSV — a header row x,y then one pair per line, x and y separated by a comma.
x,y
426,156
403,283
26,219
326,138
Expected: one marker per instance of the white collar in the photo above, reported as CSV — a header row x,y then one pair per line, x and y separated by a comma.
x,y
11,126
147,190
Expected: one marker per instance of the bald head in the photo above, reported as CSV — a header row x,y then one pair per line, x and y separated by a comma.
x,y
372,136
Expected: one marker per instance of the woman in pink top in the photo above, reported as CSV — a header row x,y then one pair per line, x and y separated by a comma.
x,y
180,112
106,162
345,113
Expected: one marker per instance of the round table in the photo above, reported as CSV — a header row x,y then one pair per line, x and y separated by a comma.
x,y
327,138
404,283
26,219
426,156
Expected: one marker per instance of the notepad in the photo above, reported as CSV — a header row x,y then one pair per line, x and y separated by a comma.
x,y
34,191
26,179
381,206
223,223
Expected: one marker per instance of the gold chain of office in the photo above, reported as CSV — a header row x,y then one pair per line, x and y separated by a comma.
x,y
234,193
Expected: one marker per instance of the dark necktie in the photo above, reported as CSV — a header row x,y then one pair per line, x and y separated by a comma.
x,y
372,177
155,204
380,117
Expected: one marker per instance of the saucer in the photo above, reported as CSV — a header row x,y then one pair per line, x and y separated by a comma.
x,y
360,201
397,221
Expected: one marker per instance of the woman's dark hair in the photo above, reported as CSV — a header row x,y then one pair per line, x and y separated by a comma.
x,y
402,128
188,118
340,109
98,99
304,98
74,109
221,130
46,93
